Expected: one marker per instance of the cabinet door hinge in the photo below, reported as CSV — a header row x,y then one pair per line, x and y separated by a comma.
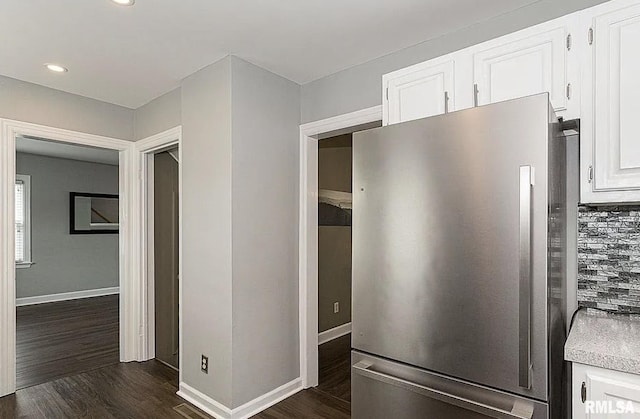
x,y
583,392
590,36
569,91
590,174
569,42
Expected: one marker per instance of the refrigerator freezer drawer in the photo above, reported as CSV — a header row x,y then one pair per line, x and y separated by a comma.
x,y
385,389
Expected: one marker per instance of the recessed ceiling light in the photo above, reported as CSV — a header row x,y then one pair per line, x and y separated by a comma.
x,y
56,68
124,2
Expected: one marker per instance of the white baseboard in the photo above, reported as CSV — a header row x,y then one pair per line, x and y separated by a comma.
x,y
251,408
41,299
204,402
267,400
334,333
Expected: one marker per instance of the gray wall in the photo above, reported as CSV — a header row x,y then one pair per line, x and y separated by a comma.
x,y
65,262
29,102
334,242
159,115
334,276
206,282
266,118
240,239
360,87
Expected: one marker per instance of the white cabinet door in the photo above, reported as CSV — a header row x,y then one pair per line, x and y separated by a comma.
x,y
418,91
611,115
607,393
522,64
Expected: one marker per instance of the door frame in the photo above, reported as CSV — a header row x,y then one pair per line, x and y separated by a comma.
x,y
310,134
128,281
145,150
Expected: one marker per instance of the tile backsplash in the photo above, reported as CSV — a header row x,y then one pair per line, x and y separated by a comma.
x,y
609,258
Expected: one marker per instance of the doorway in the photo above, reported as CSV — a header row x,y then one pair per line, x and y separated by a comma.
x,y
166,255
335,172
160,160
310,136
127,299
66,256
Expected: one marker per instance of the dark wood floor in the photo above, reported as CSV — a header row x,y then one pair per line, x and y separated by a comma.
x,y
334,359
308,404
65,338
133,390
332,397
143,390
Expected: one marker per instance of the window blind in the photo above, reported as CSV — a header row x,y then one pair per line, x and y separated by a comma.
x,y
20,219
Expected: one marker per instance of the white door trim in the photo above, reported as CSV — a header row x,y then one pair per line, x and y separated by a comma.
x,y
308,232
145,149
129,295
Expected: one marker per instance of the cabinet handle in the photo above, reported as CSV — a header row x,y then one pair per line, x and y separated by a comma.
x,y
475,94
446,102
583,392
590,174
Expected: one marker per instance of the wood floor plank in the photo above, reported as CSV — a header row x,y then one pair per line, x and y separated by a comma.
x,y
60,339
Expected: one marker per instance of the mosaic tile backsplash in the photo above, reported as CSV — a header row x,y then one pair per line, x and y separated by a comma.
x,y
609,258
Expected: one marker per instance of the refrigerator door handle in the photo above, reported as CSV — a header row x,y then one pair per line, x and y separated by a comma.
x,y
520,410
524,317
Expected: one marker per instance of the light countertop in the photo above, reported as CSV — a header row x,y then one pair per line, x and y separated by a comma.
x,y
604,340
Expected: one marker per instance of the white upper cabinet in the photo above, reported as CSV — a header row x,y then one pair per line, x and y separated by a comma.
x,y
525,63
588,62
419,91
611,107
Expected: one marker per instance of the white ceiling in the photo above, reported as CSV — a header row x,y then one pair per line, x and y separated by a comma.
x,y
66,151
130,55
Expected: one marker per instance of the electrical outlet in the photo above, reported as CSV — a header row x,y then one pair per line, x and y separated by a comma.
x,y
336,307
204,364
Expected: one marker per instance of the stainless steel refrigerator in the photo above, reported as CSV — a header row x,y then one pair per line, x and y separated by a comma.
x,y
459,248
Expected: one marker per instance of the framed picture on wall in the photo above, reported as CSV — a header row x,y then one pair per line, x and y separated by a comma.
x,y
93,213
